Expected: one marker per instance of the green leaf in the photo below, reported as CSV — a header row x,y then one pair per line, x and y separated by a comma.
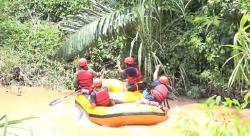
x,y
246,97
3,117
236,103
10,122
228,102
244,19
218,100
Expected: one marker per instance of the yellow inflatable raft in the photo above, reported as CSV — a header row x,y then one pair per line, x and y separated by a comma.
x,y
121,114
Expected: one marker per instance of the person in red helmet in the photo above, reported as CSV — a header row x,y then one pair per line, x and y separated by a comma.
x,y
99,96
84,77
134,79
158,92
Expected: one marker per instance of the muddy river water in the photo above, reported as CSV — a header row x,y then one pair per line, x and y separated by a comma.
x,y
64,119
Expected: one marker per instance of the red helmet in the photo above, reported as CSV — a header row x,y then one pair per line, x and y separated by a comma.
x,y
129,60
164,80
83,62
97,82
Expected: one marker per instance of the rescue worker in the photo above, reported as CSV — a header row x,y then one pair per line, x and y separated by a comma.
x,y
84,77
158,92
99,96
134,79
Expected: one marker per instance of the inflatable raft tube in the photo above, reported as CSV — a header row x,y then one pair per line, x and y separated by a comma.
x,y
126,97
115,88
113,85
122,114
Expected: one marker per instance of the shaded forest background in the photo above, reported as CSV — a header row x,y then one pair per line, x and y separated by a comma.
x,y
187,37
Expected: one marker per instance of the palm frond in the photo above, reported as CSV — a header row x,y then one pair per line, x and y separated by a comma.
x,y
73,23
132,44
232,57
106,26
241,51
235,72
111,3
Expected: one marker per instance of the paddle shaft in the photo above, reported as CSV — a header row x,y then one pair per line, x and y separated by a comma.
x,y
69,94
56,101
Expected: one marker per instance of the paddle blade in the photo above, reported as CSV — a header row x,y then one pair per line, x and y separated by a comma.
x,y
81,113
54,102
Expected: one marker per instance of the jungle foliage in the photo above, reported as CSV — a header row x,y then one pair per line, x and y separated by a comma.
x,y
40,41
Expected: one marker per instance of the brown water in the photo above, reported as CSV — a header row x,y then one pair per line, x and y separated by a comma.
x,y
63,119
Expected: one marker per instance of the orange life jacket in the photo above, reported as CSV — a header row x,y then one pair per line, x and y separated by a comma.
x,y
159,92
102,97
85,79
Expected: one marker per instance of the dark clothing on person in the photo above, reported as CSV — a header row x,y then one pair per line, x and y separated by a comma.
x,y
131,71
135,87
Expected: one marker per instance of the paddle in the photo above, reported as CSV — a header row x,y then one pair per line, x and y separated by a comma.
x,y
56,101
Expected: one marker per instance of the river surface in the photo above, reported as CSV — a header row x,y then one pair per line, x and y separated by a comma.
x,y
64,119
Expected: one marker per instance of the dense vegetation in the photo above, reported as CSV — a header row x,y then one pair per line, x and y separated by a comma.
x,y
229,125
187,36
